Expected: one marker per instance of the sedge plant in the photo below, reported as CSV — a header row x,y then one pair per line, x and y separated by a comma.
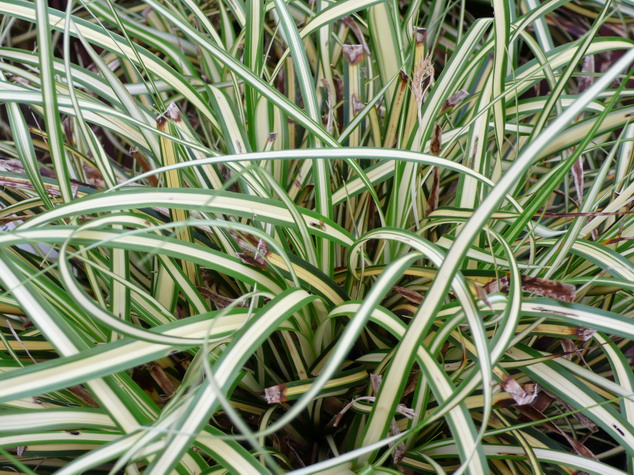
x,y
361,236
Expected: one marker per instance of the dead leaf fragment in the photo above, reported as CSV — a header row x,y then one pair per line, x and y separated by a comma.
x,y
354,53
84,396
252,261
549,288
255,250
569,347
521,394
420,35
275,394
454,100
138,157
357,105
24,184
410,295
542,401
163,381
434,192
583,419
436,141
358,33
219,300
172,112
535,415
11,219
585,334
482,295
94,177
537,286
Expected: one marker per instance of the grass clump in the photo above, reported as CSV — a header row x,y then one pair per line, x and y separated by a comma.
x,y
256,237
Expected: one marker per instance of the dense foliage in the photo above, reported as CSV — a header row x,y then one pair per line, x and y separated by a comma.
x,y
266,236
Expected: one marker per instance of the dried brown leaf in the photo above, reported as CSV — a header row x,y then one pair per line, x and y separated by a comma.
x,y
345,408
358,33
537,286
12,166
145,166
587,422
436,141
375,383
420,35
482,295
589,214
434,193
497,285
24,184
10,219
411,383
585,334
94,177
410,295
542,401
535,415
521,394
15,166
580,449
83,395
569,347
399,453
258,262
357,105
454,100
255,250
549,288
172,112
263,248
18,79
354,53
67,126
163,381
275,394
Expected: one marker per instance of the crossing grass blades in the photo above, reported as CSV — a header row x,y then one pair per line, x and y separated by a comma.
x,y
357,236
